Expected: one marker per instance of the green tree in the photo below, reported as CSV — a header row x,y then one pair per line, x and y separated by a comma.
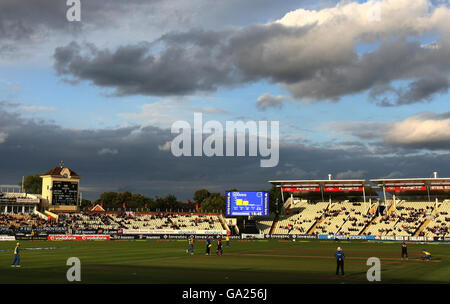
x,y
139,201
274,195
32,184
109,200
116,200
215,202
169,202
85,204
124,197
200,196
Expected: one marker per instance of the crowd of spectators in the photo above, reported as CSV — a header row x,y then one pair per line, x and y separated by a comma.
x,y
18,220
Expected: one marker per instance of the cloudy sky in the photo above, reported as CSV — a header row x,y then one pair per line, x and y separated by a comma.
x,y
360,89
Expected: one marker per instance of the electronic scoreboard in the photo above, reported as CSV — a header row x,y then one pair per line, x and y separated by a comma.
x,y
247,203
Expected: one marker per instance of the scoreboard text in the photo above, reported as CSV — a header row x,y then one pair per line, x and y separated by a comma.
x,y
64,193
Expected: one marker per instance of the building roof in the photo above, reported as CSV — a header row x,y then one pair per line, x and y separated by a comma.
x,y
97,208
57,172
415,186
341,187
411,181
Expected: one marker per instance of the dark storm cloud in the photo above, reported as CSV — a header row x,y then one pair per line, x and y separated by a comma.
x,y
391,61
268,101
197,60
130,159
187,62
28,24
23,19
420,90
6,104
133,69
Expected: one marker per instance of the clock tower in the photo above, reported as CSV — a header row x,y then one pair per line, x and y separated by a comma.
x,y
60,189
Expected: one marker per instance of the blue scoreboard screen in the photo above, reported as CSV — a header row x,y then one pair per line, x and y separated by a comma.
x,y
247,203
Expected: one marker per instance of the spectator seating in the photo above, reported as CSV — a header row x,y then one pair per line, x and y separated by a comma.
x,y
18,220
404,220
301,218
141,221
439,225
411,215
344,217
264,225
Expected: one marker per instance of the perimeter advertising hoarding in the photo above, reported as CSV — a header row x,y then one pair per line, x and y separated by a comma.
x,y
343,189
172,231
78,237
406,188
7,238
344,237
440,188
301,189
241,203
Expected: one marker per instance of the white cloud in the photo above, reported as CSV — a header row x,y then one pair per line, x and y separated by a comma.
x,y
164,112
349,174
106,151
3,136
358,19
421,129
209,110
395,174
32,108
165,147
368,130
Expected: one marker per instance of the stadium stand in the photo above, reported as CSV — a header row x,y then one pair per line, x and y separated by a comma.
x,y
88,221
301,219
411,216
344,217
439,225
357,220
403,220
265,225
141,221
18,220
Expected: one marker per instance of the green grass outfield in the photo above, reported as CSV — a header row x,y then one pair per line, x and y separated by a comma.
x,y
259,261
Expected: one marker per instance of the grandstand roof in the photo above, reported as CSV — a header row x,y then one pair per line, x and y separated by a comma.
x,y
317,181
404,181
415,186
342,187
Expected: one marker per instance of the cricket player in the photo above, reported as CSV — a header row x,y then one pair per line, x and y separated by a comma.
x,y
404,251
219,246
208,245
340,260
191,245
227,239
16,261
426,255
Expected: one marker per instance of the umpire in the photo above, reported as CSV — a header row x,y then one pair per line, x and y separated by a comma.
x,y
340,260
